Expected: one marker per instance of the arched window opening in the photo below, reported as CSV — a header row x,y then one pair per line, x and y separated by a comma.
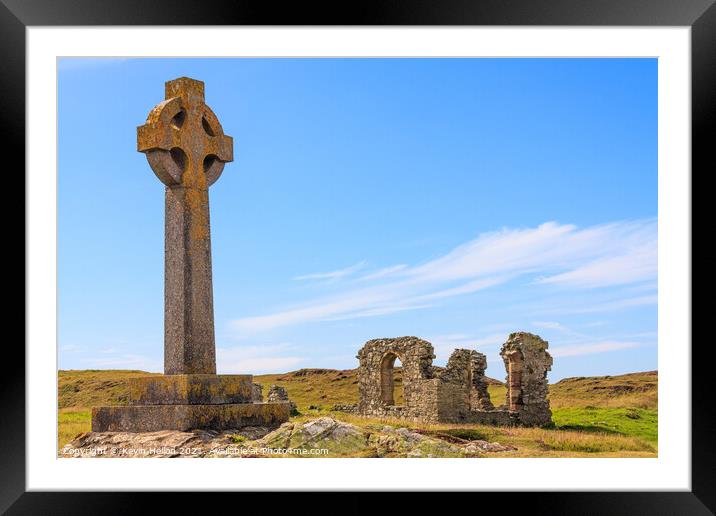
x,y
391,380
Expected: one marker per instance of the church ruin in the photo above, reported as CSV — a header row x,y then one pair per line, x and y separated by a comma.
x,y
456,393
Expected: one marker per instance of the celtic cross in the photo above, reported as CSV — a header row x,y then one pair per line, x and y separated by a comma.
x,y
186,148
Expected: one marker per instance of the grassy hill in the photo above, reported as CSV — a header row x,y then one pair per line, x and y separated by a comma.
x,y
587,411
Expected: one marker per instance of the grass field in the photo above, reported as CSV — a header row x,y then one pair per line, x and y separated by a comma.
x,y
608,416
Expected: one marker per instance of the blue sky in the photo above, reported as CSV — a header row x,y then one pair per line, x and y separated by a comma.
x,y
457,200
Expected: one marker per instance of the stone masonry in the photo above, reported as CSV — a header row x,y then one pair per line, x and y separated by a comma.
x,y
527,363
187,149
456,393
277,394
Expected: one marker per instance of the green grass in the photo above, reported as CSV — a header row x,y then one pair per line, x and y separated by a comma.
x,y
634,422
71,423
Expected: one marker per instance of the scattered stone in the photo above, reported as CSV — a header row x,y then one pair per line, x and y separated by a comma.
x,y
480,447
350,409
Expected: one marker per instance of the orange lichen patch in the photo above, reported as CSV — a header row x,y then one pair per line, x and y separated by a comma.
x,y
152,418
197,202
184,86
190,389
185,122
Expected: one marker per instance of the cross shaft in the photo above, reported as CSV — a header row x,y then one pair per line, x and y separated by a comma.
x,y
186,148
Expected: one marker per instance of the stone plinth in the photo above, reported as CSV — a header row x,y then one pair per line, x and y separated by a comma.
x,y
190,389
189,401
152,418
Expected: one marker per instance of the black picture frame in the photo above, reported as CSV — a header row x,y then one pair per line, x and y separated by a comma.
x,y
700,15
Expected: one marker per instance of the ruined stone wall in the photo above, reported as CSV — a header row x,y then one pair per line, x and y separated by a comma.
x,y
425,402
479,397
456,393
257,393
377,358
527,363
453,402
277,394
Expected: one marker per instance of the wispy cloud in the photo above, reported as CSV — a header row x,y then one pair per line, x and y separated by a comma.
x,y
387,271
557,326
564,255
590,349
257,359
637,264
551,325
333,275
444,345
125,361
610,306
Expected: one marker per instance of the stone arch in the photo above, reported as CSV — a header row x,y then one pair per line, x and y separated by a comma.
x,y
376,380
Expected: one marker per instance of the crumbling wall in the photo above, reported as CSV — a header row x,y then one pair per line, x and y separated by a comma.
x,y
527,363
278,394
257,393
377,358
479,396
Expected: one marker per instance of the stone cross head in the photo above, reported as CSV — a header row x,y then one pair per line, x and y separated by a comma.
x,y
182,138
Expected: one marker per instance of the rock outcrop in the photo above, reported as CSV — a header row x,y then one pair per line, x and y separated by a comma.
x,y
321,437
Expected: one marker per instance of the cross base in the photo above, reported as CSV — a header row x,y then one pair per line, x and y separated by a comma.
x,y
191,389
152,418
188,402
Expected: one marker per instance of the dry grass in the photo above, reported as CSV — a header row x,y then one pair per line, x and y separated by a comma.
x,y
91,388
635,390
71,423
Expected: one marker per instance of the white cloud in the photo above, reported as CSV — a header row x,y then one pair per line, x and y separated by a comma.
x,y
444,345
259,365
381,273
557,326
609,254
550,325
256,359
333,275
637,264
380,310
125,361
609,306
590,349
